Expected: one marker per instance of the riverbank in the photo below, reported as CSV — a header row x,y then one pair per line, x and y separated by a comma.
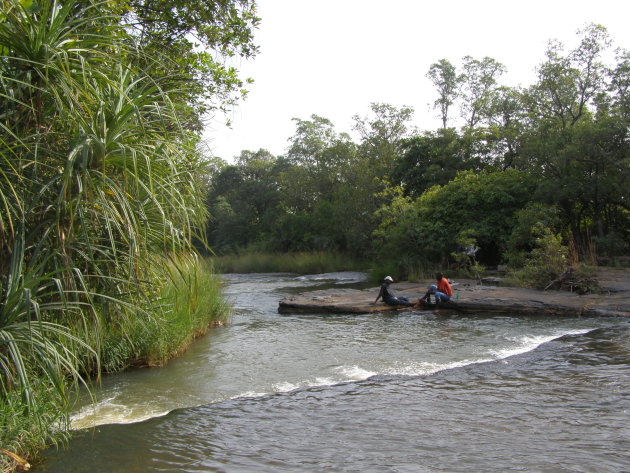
x,y
189,302
470,298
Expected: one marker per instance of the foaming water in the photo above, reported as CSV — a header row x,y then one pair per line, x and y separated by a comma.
x,y
527,343
336,278
264,352
388,392
355,373
564,407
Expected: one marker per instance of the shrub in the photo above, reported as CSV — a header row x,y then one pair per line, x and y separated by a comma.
x,y
27,432
546,262
529,220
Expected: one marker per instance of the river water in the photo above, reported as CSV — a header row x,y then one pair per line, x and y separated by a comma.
x,y
407,392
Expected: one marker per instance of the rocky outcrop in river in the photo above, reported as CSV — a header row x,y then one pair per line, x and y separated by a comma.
x,y
472,298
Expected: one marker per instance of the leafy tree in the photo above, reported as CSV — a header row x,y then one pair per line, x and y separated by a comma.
x,y
547,261
306,160
197,40
330,188
320,196
382,135
446,80
256,159
426,229
577,140
318,154
311,139
427,160
506,124
478,81
528,223
568,83
355,201
619,86
244,201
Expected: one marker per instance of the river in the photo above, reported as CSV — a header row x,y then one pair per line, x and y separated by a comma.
x,y
406,392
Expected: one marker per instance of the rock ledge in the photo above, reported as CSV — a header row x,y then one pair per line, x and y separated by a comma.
x,y
470,298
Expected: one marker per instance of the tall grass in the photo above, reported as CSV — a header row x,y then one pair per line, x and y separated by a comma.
x,y
300,263
30,432
188,302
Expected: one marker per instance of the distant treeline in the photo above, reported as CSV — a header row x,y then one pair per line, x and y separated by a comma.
x,y
524,165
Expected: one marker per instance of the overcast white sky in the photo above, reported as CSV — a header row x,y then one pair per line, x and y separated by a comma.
x,y
335,57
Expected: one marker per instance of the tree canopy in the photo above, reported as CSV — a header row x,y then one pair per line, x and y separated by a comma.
x,y
560,144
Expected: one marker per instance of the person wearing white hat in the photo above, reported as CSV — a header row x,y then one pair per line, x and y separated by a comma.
x,y
388,296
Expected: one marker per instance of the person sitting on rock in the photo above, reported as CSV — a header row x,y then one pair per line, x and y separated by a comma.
x,y
442,290
388,296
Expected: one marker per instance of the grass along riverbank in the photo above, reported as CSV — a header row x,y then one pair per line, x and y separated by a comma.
x,y
188,301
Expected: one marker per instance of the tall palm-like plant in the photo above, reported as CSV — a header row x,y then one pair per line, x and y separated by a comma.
x,y
36,54
96,180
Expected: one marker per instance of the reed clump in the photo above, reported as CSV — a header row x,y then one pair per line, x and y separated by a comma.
x,y
26,433
189,302
186,302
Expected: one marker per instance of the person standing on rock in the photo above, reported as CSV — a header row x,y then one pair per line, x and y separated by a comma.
x,y
442,290
388,296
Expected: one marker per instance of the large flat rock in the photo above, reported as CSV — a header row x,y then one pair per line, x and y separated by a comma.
x,y
470,298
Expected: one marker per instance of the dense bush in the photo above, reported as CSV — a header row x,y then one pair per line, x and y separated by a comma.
x,y
426,230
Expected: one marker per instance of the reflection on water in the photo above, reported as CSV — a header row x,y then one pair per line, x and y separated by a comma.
x,y
376,393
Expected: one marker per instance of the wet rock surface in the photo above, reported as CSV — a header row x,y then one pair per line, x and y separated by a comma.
x,y
472,298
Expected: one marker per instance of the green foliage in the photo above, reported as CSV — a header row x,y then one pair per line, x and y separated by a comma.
x,y
425,230
554,153
546,262
243,202
581,279
612,245
479,79
29,433
197,41
506,124
548,266
382,133
465,258
577,139
320,197
428,160
188,302
398,236
300,263
446,80
525,232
